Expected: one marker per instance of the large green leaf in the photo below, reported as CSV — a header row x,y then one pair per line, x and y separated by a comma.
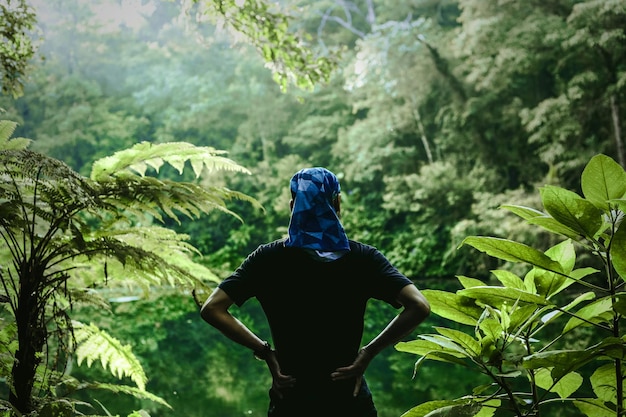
x,y
469,344
574,276
433,351
511,251
552,225
618,250
563,362
453,307
467,282
620,303
423,409
593,407
564,387
509,279
604,383
571,210
454,408
542,220
497,296
596,312
602,180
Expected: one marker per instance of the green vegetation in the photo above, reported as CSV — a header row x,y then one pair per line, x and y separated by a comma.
x,y
434,114
60,227
513,343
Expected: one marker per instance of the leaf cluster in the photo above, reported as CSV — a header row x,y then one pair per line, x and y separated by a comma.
x,y
509,343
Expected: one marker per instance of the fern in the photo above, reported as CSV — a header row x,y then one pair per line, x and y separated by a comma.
x,y
135,392
6,142
58,228
94,344
142,155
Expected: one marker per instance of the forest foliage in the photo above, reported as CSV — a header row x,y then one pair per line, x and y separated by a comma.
x,y
434,114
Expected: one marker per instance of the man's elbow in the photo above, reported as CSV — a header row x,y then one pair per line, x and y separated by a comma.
x,y
424,307
419,307
209,313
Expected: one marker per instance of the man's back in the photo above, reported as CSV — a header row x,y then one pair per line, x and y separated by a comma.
x,y
315,309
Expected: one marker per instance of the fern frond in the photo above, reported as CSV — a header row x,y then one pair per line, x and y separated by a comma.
x,y
89,297
144,154
94,344
167,257
148,267
125,389
148,195
7,128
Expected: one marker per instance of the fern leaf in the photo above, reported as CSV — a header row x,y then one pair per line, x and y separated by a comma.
x,y
94,344
7,128
125,389
141,155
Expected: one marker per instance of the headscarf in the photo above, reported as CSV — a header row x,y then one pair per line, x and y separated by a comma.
x,y
314,222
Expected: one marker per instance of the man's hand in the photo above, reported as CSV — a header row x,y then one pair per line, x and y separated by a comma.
x,y
356,370
279,380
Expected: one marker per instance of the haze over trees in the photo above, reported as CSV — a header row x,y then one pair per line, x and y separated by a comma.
x,y
432,113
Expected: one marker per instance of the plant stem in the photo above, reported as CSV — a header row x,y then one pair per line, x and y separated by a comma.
x,y
533,385
612,281
502,384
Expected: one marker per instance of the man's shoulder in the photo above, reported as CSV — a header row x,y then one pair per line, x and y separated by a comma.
x,y
360,247
268,248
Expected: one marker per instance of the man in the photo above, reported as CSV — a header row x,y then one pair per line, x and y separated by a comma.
x,y
313,287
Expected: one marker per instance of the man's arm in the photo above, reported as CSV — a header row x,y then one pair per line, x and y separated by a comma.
x,y
215,312
415,310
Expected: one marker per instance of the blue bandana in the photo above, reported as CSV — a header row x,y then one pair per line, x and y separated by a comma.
x,y
314,222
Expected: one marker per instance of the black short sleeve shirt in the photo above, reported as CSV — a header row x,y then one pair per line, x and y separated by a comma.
x,y
315,309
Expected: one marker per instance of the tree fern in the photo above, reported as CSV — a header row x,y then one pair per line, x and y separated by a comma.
x,y
63,232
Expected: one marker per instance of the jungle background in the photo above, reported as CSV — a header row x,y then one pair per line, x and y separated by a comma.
x,y
437,113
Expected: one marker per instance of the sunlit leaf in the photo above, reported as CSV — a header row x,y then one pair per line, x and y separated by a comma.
x,y
95,344
425,408
489,408
563,362
604,383
593,407
543,220
511,251
467,282
453,307
571,210
501,295
564,387
469,344
591,313
618,250
620,303
602,180
432,351
509,279
552,225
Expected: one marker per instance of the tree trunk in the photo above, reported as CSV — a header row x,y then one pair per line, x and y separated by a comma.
x,y
31,339
617,131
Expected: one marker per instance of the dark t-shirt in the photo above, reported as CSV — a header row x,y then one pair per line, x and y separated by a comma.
x,y
315,309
